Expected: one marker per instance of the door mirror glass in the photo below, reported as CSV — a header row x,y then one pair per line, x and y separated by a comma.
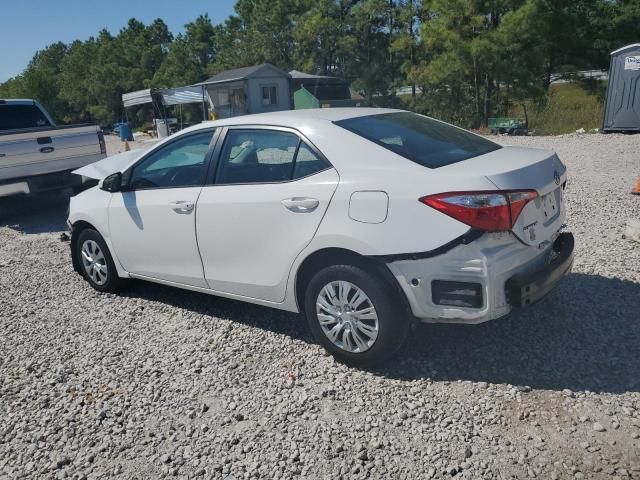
x,y
112,183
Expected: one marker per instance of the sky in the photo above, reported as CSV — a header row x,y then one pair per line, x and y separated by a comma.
x,y
27,26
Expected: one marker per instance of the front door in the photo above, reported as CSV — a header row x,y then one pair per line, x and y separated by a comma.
x,y
152,224
269,195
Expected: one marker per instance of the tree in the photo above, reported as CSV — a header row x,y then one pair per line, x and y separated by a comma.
x,y
466,60
405,41
200,41
180,67
40,80
261,31
318,34
450,68
368,43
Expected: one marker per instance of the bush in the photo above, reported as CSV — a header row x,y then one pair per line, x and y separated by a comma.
x,y
568,107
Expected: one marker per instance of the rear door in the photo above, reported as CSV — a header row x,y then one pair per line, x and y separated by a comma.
x,y
270,192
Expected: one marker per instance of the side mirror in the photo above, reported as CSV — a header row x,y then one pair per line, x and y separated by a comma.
x,y
112,183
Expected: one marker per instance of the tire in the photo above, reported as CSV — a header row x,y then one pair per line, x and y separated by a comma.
x,y
355,331
104,278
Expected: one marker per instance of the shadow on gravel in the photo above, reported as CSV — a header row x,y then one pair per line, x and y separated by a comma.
x,y
276,321
43,213
584,336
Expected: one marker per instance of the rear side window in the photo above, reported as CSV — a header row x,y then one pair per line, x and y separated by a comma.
x,y
307,162
423,140
266,156
14,117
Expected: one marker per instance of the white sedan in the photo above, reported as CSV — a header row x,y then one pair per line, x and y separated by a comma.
x,y
362,219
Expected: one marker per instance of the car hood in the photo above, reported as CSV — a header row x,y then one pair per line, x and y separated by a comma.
x,y
109,165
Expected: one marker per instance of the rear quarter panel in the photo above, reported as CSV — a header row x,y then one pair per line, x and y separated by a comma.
x,y
410,226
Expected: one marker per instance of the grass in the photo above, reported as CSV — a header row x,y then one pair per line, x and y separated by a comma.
x,y
569,107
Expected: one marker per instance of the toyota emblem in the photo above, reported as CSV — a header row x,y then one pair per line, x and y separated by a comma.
x,y
556,177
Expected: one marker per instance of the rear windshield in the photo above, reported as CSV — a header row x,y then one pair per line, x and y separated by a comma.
x,y
14,117
421,139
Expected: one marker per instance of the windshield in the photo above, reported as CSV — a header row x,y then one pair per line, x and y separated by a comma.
x,y
423,140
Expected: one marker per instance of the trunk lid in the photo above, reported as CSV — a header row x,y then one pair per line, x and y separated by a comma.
x,y
516,168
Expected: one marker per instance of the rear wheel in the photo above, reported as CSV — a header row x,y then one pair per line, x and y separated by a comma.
x,y
96,263
355,315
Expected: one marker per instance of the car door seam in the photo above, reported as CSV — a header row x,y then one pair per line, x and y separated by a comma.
x,y
114,253
326,210
195,231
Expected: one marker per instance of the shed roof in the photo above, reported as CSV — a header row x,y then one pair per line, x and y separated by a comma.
x,y
299,74
240,74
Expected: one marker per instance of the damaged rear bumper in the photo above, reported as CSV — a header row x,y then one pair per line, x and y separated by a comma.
x,y
525,289
497,268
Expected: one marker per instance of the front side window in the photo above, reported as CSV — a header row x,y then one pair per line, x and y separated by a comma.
x,y
182,163
265,156
269,96
423,140
15,116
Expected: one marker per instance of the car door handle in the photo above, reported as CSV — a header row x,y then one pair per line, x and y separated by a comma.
x,y
301,204
182,206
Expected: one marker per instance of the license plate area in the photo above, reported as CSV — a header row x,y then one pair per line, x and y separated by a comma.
x,y
550,205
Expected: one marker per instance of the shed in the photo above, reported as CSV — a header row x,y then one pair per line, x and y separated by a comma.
x,y
315,91
255,89
622,107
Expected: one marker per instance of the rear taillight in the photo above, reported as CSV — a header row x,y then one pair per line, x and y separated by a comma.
x,y
489,211
103,145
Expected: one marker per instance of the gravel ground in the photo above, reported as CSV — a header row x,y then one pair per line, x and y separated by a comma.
x,y
114,145
161,382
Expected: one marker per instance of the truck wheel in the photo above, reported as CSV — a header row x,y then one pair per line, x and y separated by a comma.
x,y
95,262
355,315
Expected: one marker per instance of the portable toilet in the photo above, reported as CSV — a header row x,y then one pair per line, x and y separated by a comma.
x,y
622,107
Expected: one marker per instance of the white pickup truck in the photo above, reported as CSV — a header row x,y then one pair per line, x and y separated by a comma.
x,y
36,155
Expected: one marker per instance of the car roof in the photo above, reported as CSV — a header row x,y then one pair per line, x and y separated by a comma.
x,y
294,118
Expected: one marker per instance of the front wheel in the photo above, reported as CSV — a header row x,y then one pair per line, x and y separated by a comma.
x,y
355,315
95,262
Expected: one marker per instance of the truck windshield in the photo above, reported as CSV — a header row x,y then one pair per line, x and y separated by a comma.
x,y
423,140
19,116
